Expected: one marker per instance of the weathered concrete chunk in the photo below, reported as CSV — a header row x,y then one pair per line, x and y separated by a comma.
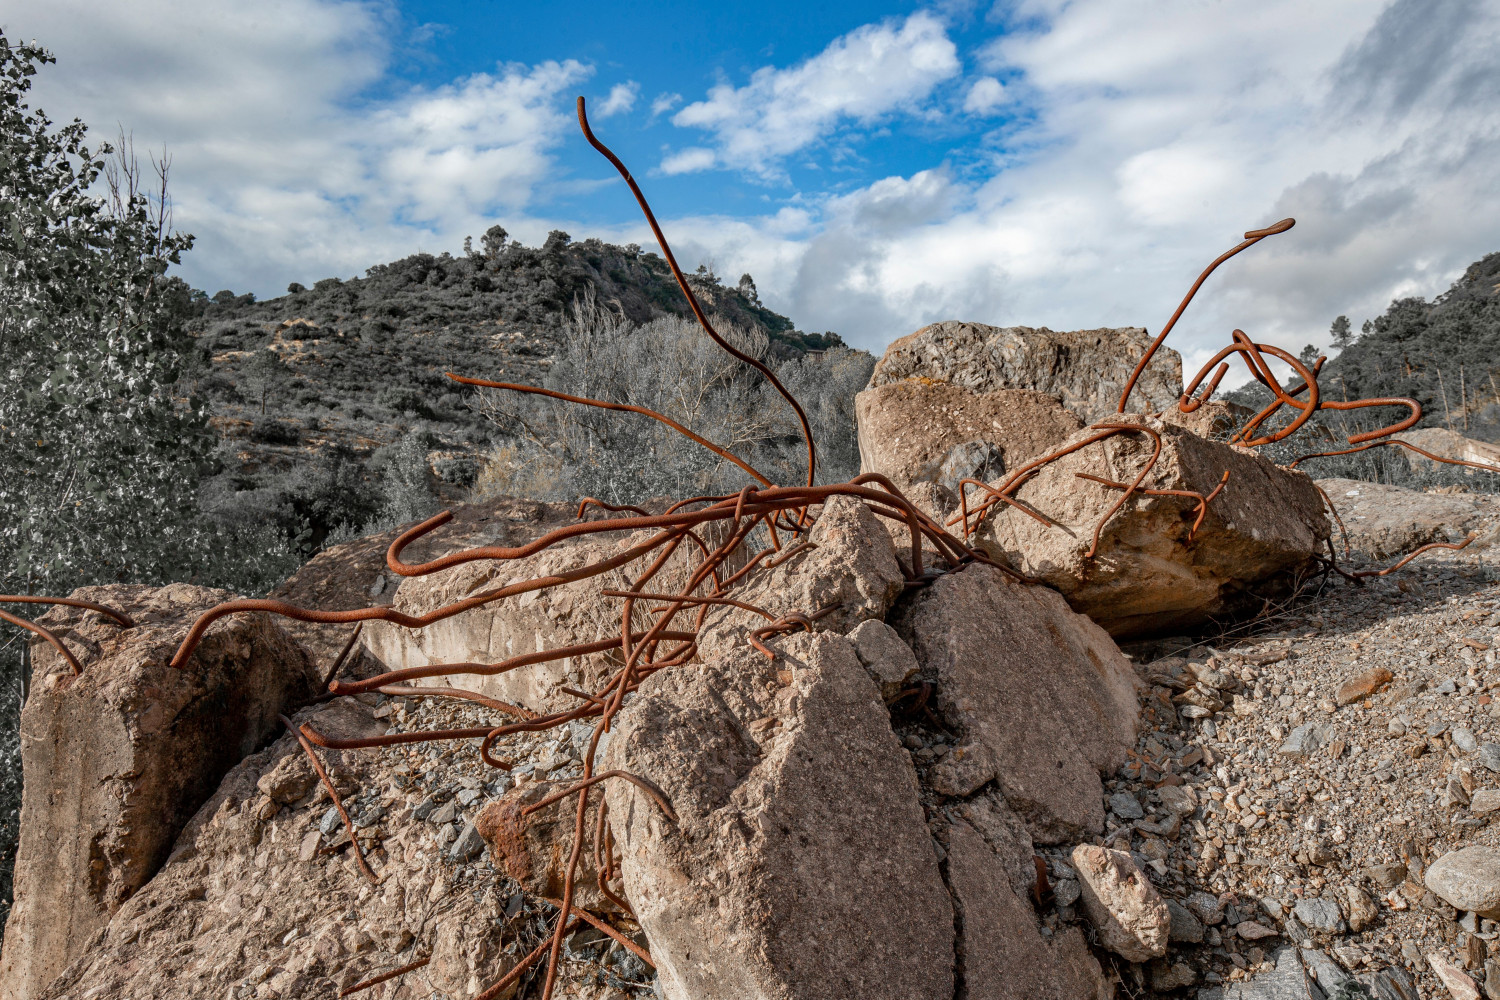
x,y
915,431
117,760
1383,522
801,864
1127,912
1468,879
1043,700
534,850
849,571
1086,369
1147,576
561,615
888,659
1003,953
240,901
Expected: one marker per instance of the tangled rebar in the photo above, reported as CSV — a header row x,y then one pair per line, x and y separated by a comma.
x,y
670,620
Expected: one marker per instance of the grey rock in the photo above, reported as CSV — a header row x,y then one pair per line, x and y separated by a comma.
x,y
1185,928
1206,908
1387,876
977,459
467,796
1465,740
468,844
443,814
1394,983
1319,915
1304,740
1330,975
1287,981
1489,756
330,821
1125,806
419,812
1440,727
1468,879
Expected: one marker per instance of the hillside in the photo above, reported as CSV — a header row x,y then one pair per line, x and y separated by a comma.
x,y
312,390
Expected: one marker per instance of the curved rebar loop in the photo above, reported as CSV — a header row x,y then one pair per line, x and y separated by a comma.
x,y
692,300
1261,370
1201,507
302,740
1253,237
104,609
792,621
1412,555
385,976
47,634
648,787
1405,444
601,404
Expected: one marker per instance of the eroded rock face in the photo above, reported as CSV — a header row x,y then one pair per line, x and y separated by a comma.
x,y
247,900
117,760
1384,522
850,571
801,864
1147,576
566,614
1042,697
1085,369
914,431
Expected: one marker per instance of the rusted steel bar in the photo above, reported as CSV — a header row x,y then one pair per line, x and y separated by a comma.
x,y
343,653
498,986
1396,441
359,855
385,976
70,602
597,924
397,691
1412,555
641,783
47,634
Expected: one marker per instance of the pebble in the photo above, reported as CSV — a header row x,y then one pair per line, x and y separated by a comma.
x,y
467,845
1304,740
1319,915
1253,930
1126,806
1362,685
1465,740
1185,927
1489,756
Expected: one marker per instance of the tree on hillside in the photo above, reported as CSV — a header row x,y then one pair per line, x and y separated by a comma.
x,y
264,375
1342,335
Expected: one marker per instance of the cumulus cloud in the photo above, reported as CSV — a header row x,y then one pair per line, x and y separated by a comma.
x,y
986,95
282,166
868,73
665,103
688,161
622,97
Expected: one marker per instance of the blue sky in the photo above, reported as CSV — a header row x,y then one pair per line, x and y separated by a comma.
x,y
1070,163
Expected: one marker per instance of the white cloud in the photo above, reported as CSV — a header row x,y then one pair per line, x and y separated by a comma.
x,y
622,97
282,167
868,73
688,161
986,95
665,103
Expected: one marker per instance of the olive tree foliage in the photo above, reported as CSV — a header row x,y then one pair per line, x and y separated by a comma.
x,y
100,454
555,450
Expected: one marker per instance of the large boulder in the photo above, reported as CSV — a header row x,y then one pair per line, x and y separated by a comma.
x,y
117,760
1447,443
1042,699
916,430
1382,522
263,898
1086,369
561,615
800,864
1148,575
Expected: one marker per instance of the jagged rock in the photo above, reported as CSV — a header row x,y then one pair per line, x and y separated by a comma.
x,y
801,864
1460,986
1086,369
888,659
534,849
1468,879
240,903
1288,980
850,571
116,761
1449,444
562,615
1043,700
1147,576
914,431
1216,419
1184,927
1383,522
1003,952
1125,909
